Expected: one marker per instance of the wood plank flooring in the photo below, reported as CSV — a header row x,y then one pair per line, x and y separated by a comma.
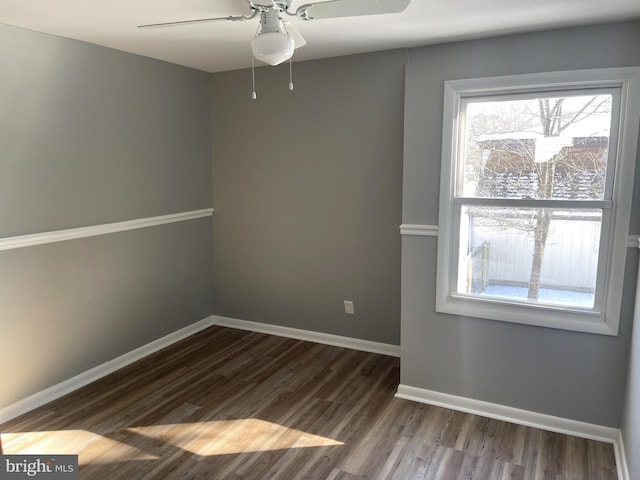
x,y
228,405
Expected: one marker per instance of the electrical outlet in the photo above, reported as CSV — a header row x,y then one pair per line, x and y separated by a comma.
x,y
349,308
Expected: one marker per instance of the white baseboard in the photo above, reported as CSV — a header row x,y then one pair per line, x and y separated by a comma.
x,y
523,417
463,404
56,391
621,457
317,337
509,414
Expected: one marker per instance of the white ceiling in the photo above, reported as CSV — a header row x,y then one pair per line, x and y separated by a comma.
x,y
219,46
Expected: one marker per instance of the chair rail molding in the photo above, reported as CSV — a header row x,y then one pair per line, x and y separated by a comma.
x,y
419,230
29,240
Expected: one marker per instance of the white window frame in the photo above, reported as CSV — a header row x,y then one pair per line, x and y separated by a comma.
x,y
614,241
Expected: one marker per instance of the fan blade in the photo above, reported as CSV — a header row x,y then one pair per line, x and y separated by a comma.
x,y
293,32
350,8
200,20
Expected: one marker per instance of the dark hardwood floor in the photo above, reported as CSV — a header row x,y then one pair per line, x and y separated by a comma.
x,y
227,405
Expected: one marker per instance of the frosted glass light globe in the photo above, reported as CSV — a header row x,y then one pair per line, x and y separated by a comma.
x,y
273,47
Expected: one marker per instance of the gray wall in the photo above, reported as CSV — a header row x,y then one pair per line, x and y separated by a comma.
x,y
91,136
307,191
567,374
631,418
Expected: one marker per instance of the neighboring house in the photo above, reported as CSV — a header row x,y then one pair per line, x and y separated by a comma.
x,y
500,250
509,169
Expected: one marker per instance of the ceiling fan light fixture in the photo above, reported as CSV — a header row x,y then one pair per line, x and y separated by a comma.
x,y
272,47
276,39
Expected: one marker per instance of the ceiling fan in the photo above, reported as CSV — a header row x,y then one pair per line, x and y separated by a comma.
x,y
276,39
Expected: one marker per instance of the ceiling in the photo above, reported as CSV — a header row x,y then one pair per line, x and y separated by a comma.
x,y
220,46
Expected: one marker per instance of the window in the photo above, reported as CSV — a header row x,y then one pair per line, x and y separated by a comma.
x,y
536,186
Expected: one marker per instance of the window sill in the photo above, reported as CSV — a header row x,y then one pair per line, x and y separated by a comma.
x,y
538,316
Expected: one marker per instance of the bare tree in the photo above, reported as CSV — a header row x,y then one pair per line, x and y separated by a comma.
x,y
553,121
515,166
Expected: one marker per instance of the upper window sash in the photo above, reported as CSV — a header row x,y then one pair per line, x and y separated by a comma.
x,y
569,139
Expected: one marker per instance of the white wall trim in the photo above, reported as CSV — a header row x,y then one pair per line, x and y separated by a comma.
x,y
310,336
463,404
509,414
67,386
432,231
523,417
56,391
621,457
29,240
420,230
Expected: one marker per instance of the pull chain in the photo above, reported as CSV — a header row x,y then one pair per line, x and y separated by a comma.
x,y
253,65
253,78
290,74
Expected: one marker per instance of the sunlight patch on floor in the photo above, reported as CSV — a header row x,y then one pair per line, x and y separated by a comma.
x,y
91,447
224,437
233,436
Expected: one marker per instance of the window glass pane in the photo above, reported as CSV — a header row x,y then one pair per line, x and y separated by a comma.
x,y
532,255
546,147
